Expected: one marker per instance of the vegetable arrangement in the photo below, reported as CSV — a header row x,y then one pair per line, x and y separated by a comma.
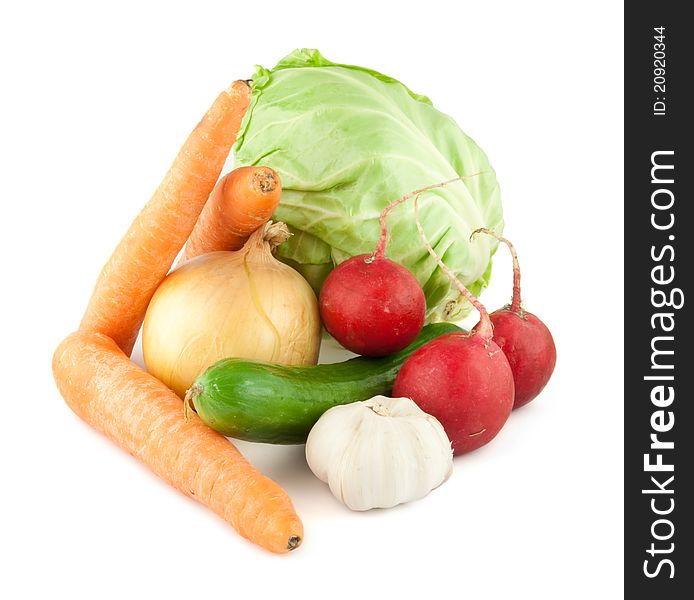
x,y
235,329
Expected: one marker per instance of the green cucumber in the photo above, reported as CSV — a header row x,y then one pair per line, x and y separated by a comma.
x,y
264,402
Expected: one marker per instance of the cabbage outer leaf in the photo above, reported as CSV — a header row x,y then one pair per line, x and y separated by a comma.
x,y
346,141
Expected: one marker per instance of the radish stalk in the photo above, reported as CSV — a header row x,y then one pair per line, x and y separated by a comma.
x,y
484,328
383,240
516,298
523,337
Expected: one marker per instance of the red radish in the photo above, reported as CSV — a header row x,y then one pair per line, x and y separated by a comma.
x,y
462,379
370,304
525,339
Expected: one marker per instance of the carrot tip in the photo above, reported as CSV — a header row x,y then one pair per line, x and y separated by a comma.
x,y
293,543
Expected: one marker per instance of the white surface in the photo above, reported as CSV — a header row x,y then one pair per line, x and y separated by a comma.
x,y
96,103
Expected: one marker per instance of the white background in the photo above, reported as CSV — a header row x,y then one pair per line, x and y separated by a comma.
x,y
96,103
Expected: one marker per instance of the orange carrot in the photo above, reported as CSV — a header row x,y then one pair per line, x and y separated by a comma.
x,y
144,256
141,414
133,408
242,201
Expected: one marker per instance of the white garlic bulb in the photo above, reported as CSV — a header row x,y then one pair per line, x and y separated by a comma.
x,y
379,452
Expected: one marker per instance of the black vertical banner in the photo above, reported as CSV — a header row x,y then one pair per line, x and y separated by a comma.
x,y
659,342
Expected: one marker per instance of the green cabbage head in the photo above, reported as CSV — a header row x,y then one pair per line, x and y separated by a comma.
x,y
346,141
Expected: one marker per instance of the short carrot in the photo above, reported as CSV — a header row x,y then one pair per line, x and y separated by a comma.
x,y
141,414
242,201
145,254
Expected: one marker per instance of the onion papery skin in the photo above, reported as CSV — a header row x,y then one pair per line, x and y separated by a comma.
x,y
243,304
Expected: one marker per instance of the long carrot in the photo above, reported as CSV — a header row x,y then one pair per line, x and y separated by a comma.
x,y
242,201
144,256
141,414
133,408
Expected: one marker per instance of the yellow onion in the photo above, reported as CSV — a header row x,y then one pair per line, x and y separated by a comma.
x,y
243,304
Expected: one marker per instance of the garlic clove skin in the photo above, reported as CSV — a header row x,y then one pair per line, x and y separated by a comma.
x,y
379,452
